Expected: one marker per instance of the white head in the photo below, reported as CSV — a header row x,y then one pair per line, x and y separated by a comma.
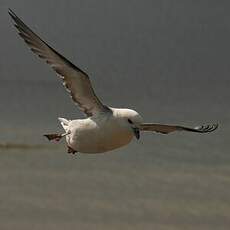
x,y
129,118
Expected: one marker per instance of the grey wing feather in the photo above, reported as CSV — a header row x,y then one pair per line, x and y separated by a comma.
x,y
74,79
165,129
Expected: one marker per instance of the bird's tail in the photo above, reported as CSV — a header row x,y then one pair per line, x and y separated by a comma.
x,y
56,136
64,123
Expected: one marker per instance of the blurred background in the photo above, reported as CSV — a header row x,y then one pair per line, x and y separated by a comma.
x,y
170,61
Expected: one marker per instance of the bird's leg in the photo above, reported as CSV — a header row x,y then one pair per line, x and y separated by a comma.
x,y
55,136
70,150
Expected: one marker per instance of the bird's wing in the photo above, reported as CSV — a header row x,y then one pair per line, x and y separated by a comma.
x,y
75,80
165,129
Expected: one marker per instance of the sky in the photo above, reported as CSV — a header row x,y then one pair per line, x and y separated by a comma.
x,y
170,61
180,47
167,60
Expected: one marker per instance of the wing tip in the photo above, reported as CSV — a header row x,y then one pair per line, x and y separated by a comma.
x,y
11,13
207,128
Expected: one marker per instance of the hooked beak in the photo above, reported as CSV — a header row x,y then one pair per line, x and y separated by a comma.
x,y
136,132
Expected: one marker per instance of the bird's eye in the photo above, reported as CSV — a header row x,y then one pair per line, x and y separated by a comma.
x,y
130,122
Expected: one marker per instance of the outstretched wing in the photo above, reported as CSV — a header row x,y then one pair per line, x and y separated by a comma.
x,y
74,79
165,129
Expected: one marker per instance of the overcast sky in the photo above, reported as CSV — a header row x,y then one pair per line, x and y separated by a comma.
x,y
161,52
148,40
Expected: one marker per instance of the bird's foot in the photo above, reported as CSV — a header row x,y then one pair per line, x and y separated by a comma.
x,y
56,137
70,150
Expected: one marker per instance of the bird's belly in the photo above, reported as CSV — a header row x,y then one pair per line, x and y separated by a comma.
x,y
99,141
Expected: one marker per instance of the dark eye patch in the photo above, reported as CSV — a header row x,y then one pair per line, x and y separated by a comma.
x,y
130,122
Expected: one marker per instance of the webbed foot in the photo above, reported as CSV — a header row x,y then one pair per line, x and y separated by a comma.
x,y
70,150
54,136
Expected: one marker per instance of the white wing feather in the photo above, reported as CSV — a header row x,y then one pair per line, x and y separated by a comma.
x,y
74,79
165,129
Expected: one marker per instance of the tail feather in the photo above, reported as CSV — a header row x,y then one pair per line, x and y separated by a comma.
x,y
57,137
64,123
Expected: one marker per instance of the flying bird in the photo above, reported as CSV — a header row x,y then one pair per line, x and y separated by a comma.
x,y
104,128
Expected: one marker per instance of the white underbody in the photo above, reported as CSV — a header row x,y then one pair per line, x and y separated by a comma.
x,y
97,134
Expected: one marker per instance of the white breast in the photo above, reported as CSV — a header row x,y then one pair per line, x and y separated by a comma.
x,y
97,136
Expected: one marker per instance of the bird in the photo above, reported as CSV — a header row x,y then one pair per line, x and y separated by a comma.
x,y
104,128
